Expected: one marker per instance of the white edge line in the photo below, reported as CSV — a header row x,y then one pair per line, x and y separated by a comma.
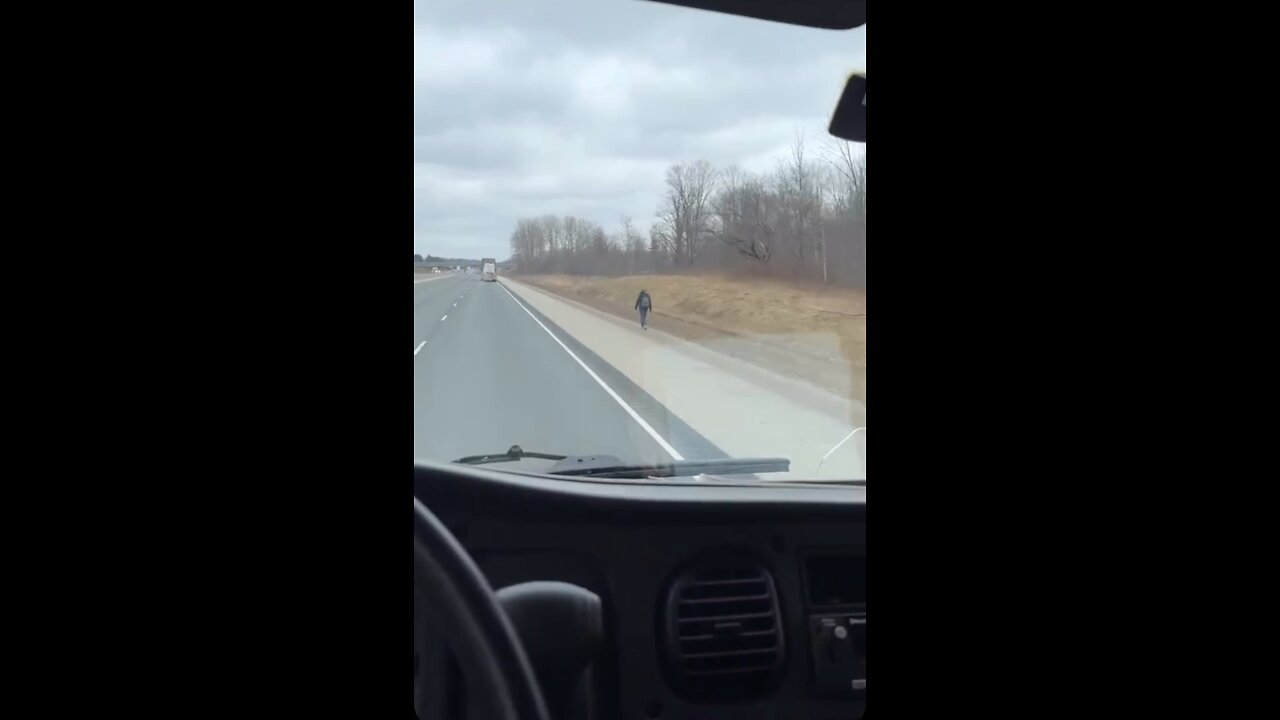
x,y
630,411
837,447
415,350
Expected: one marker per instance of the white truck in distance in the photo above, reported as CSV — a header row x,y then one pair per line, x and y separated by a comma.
x,y
489,270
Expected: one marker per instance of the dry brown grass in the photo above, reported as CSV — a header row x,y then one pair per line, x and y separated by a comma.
x,y
826,323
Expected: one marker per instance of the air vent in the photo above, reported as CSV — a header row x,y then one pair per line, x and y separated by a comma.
x,y
723,631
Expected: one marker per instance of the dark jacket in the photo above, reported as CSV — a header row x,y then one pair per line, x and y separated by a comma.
x,y
644,296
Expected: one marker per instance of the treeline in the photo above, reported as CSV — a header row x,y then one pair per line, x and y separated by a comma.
x,y
450,261
805,219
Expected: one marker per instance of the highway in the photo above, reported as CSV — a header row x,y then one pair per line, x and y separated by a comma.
x,y
489,372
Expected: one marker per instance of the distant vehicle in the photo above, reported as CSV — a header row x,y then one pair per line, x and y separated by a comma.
x,y
489,270
435,269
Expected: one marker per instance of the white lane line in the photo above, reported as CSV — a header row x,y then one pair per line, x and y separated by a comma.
x,y
455,304
634,415
446,317
415,350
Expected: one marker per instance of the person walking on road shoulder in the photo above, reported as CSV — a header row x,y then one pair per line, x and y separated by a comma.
x,y
644,304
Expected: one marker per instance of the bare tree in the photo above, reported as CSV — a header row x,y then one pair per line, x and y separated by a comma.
x,y
795,183
552,233
572,234
660,245
741,210
599,243
632,244
851,167
685,214
848,224
630,238
528,242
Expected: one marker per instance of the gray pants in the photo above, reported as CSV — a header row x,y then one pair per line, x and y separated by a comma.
x,y
644,316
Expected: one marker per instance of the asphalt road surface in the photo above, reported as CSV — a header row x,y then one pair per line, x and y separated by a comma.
x,y
490,372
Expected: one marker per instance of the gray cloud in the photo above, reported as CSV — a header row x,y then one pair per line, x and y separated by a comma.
x,y
578,106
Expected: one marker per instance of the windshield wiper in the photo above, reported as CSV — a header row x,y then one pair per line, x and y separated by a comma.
x,y
511,455
675,468
607,466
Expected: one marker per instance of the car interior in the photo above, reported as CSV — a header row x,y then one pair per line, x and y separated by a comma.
x,y
585,598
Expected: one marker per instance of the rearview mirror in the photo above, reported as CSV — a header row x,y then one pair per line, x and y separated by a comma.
x,y
849,121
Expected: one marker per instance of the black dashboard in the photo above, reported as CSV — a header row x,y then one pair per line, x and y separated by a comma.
x,y
719,600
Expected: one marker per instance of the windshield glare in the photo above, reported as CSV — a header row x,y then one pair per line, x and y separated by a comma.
x,y
634,239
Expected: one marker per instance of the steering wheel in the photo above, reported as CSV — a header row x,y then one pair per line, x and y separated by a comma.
x,y
449,589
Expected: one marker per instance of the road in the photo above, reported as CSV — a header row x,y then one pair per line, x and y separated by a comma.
x,y
490,372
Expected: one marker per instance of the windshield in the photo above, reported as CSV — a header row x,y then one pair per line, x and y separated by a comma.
x,y
635,242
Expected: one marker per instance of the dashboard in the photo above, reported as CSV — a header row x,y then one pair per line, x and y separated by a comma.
x,y
718,600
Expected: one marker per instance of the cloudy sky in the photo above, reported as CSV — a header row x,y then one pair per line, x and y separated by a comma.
x,y
577,107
